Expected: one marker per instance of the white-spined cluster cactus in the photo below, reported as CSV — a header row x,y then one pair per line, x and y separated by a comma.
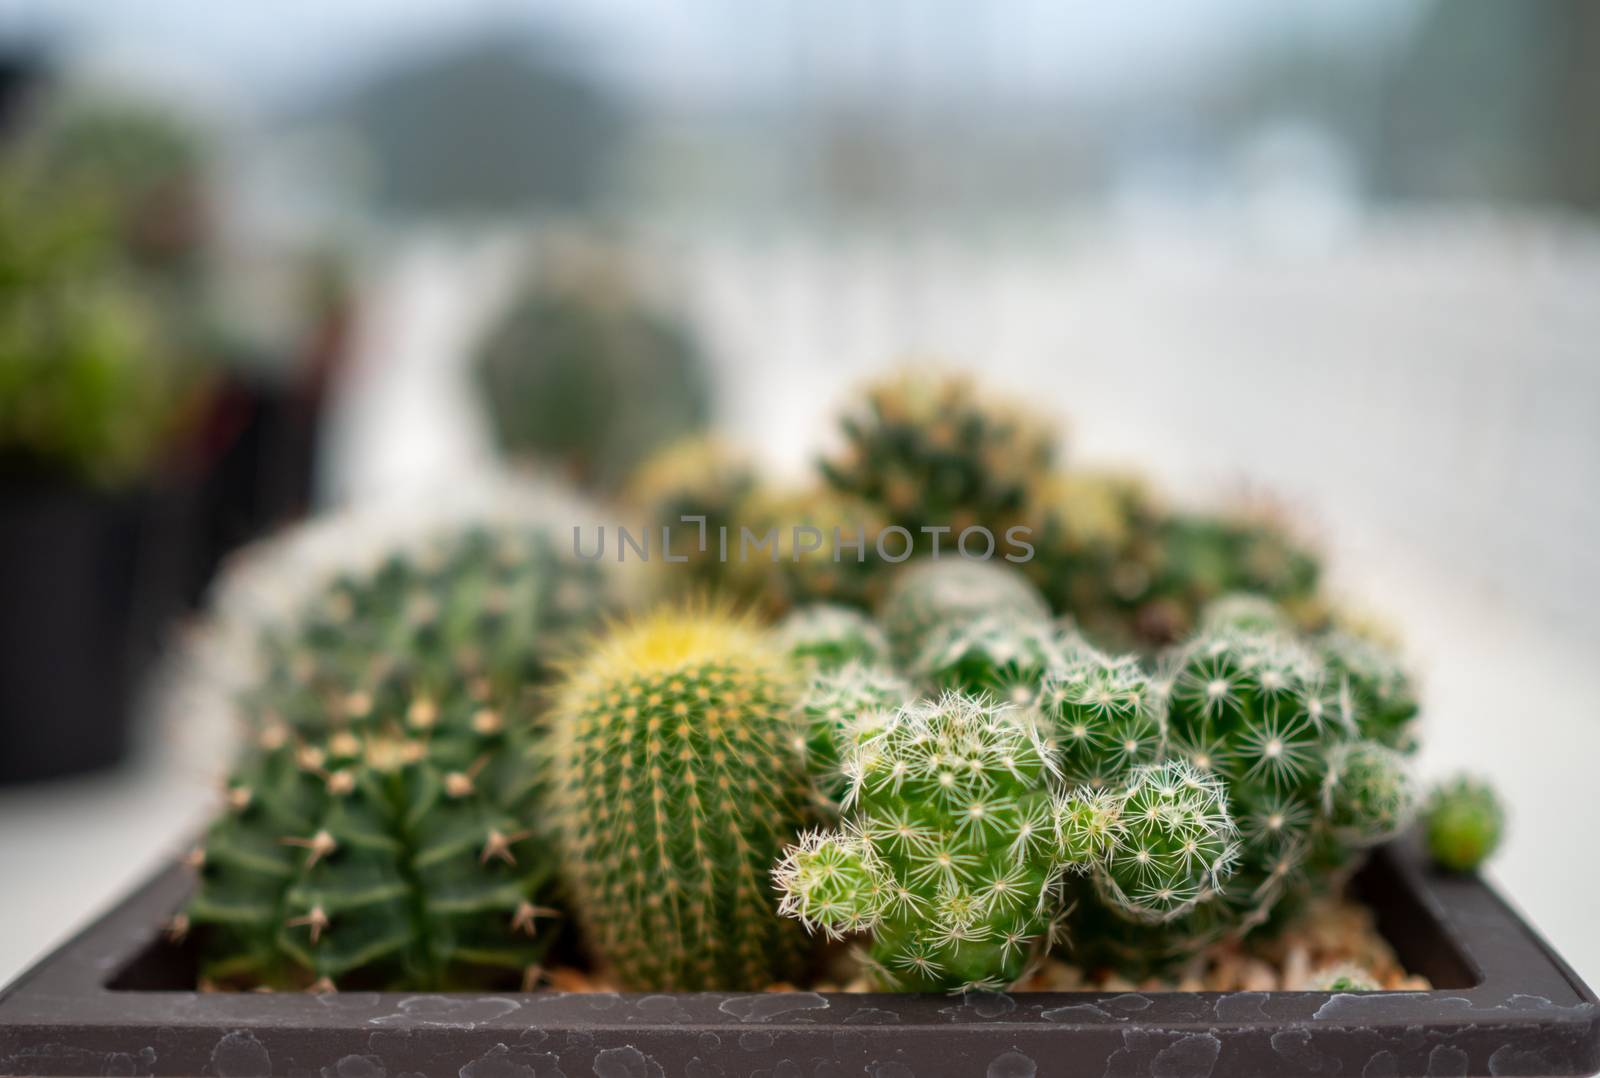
x,y
1105,715
839,709
1005,656
934,595
951,851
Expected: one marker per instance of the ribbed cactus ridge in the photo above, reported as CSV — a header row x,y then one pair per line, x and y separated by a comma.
x,y
841,708
675,744
932,450
1381,698
951,821
1368,796
999,656
829,636
405,861
1464,822
1104,715
1172,846
930,595
381,827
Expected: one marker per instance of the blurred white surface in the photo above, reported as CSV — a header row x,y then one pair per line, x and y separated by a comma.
x,y
1426,392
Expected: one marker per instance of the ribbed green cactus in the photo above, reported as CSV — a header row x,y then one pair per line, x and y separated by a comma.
x,y
1172,846
931,450
839,709
828,637
951,851
381,830
1104,716
1464,821
929,595
680,783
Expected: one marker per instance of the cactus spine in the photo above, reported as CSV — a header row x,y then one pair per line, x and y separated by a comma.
x,y
675,744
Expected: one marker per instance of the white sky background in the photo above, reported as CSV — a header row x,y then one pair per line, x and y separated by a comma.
x,y
260,54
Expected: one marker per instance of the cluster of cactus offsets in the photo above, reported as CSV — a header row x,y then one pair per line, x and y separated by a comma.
x,y
951,853
382,829
583,371
1001,656
680,783
1464,821
932,450
932,595
1104,715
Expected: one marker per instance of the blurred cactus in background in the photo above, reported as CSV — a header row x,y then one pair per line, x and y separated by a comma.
x,y
696,477
584,372
1464,821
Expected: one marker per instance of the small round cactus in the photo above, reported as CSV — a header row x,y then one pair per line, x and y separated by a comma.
x,y
680,784
1104,716
1173,844
1464,821
1000,656
828,637
1368,796
1381,699
929,595
839,709
1344,977
952,848
932,451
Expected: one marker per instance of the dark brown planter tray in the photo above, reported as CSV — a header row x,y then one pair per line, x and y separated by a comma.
x,y
113,1001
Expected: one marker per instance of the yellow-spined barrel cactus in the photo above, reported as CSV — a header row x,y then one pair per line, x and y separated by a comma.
x,y
383,827
952,849
681,781
933,451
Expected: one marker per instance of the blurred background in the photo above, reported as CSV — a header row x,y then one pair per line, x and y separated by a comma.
x,y
259,260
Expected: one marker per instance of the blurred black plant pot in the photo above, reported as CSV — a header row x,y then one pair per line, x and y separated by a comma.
x,y
86,586
119,999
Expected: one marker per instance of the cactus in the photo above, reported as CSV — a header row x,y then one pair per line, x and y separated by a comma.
x,y
1097,549
926,596
828,637
931,451
1464,823
1368,796
1172,846
804,546
381,830
1000,656
952,849
1104,716
840,708
1244,612
695,477
582,371
675,744
1381,697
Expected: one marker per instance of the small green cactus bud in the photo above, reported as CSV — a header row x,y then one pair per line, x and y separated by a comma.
x,y
830,636
1368,796
1464,822
827,884
1104,716
999,656
1174,843
674,742
840,709
930,595
1344,977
